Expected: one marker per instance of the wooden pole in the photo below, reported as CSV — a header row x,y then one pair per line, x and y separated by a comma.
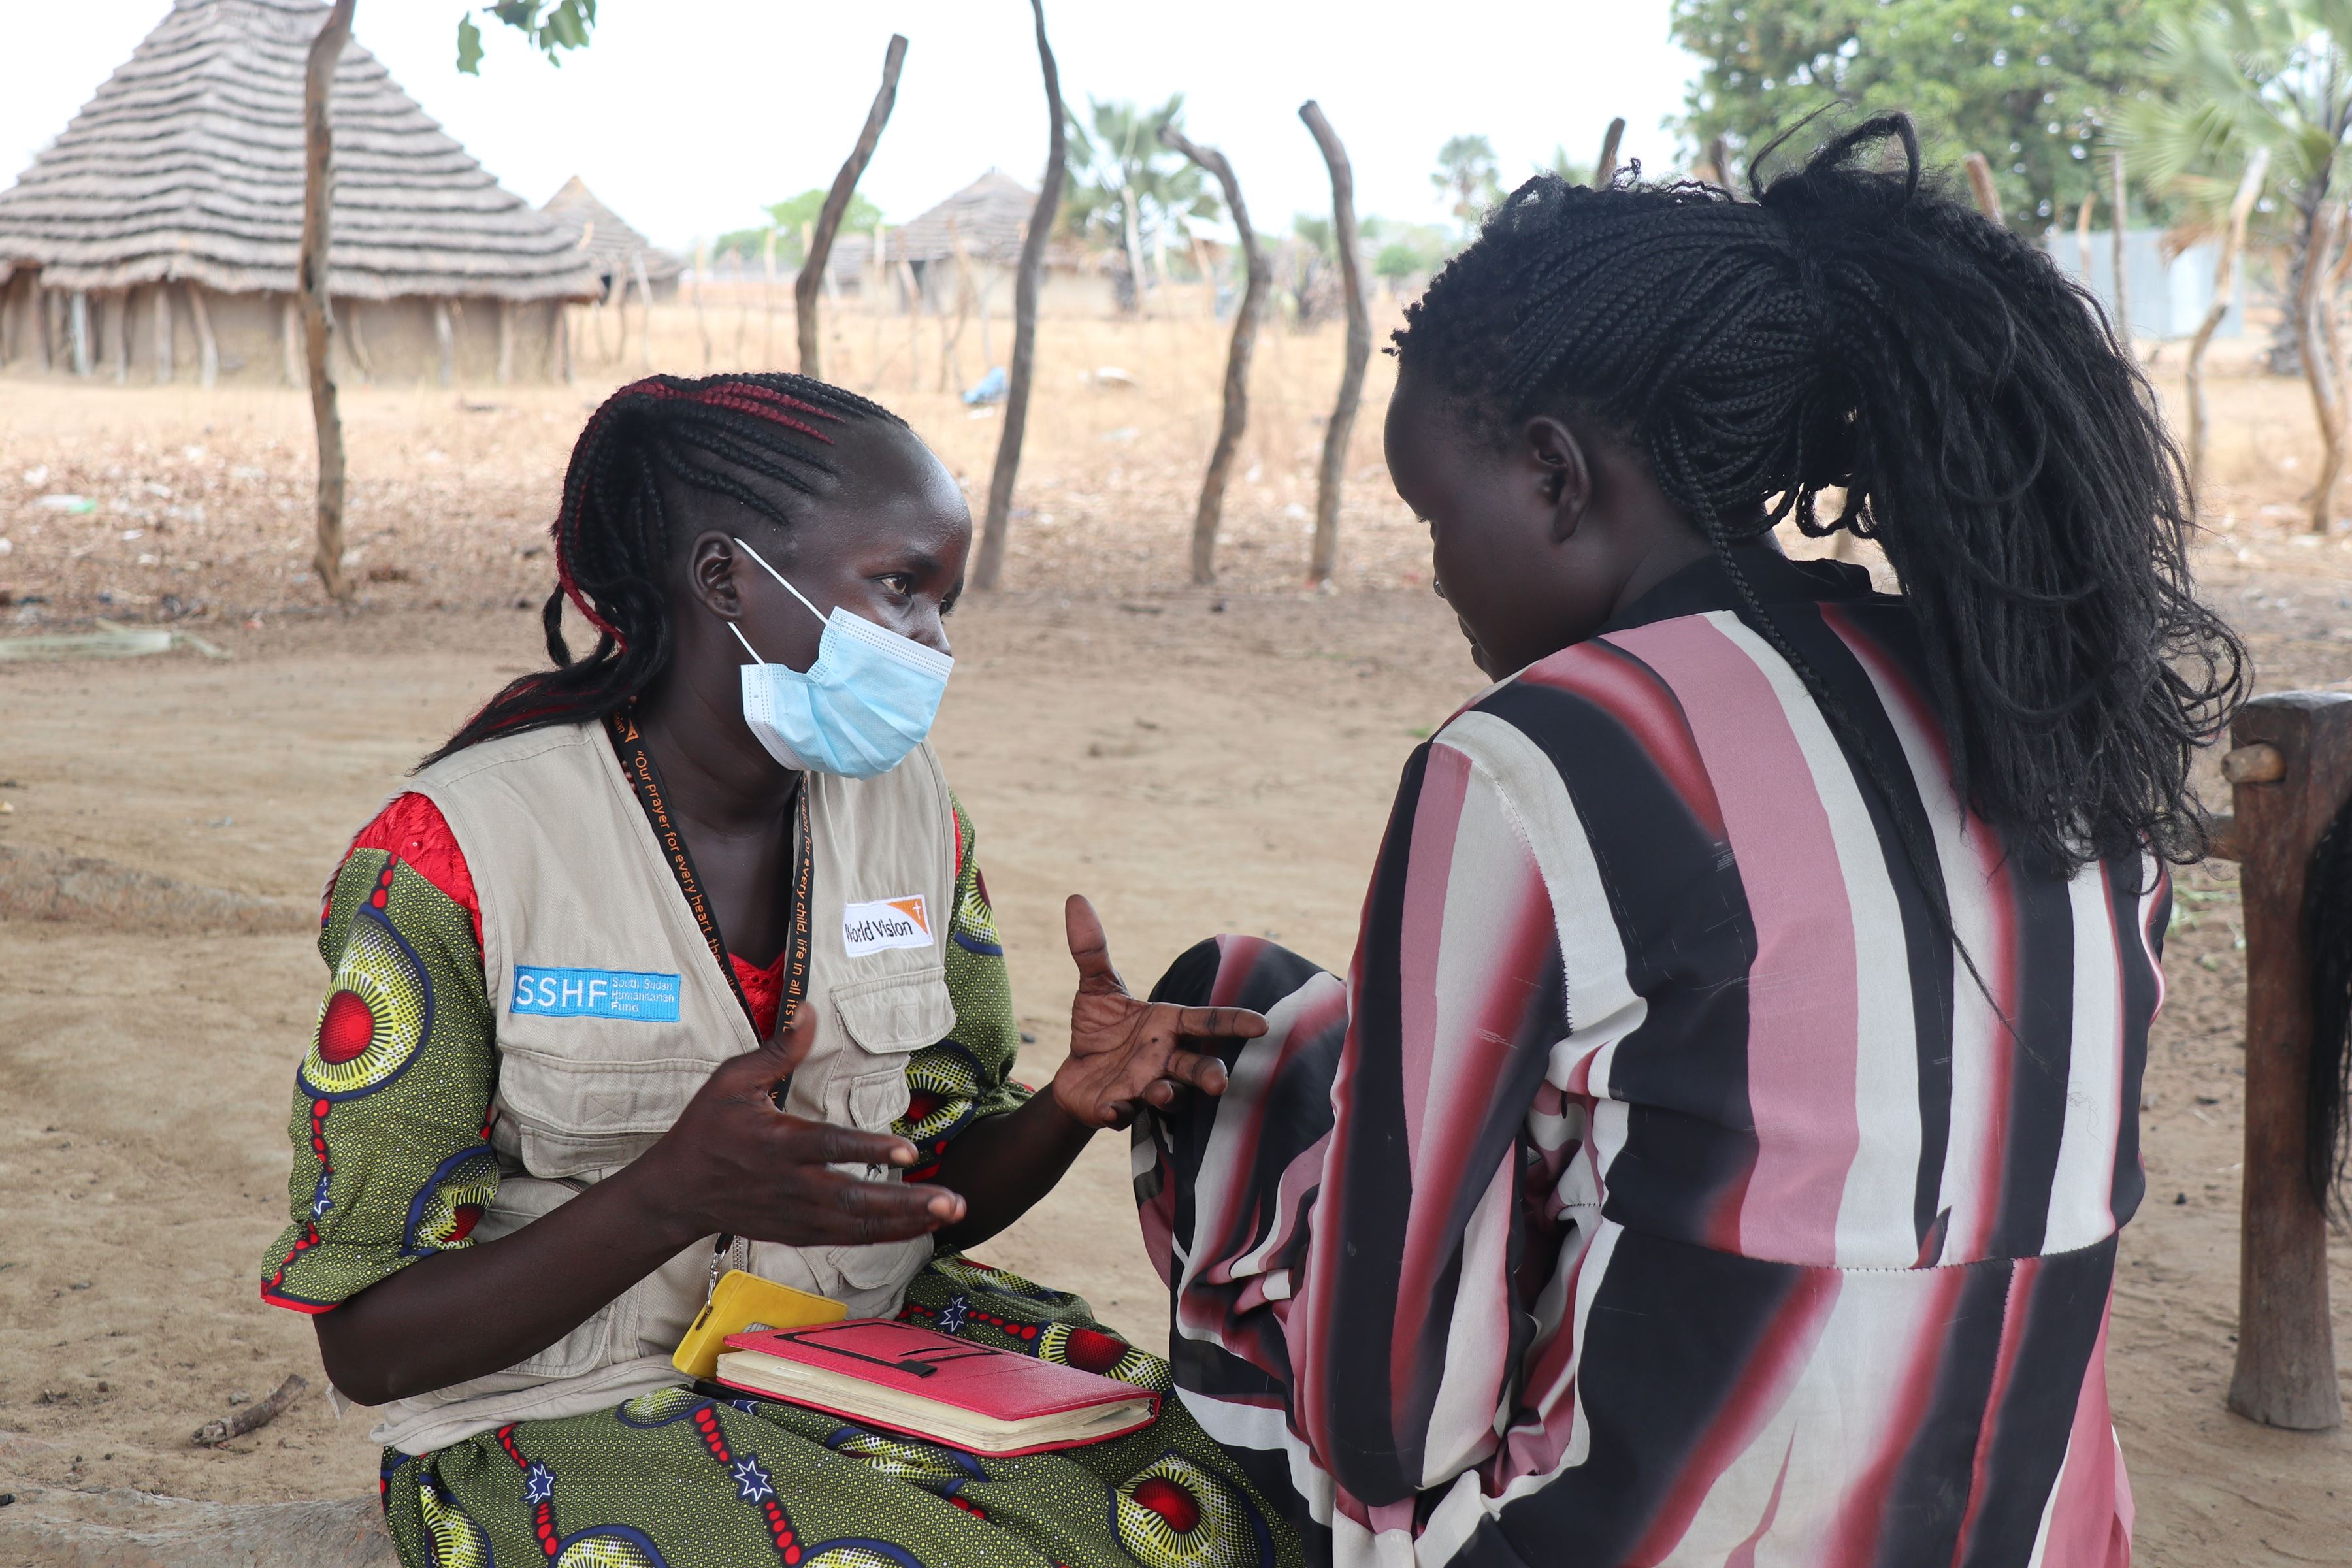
x,y
836,205
505,342
1260,276
874,299
311,291
742,308
1325,558
2285,1374
290,339
116,308
445,340
2225,278
1606,169
702,273
768,299
164,367
1988,195
1026,284
207,346
2315,337
2122,228
644,313
355,342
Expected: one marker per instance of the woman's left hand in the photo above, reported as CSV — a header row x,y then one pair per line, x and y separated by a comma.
x,y
1126,1053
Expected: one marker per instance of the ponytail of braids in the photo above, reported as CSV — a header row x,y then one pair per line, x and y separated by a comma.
x,y
1854,328
753,439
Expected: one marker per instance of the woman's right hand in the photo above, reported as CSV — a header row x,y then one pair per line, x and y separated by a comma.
x,y
734,1163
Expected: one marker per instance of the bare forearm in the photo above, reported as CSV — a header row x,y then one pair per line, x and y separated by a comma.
x,y
477,1310
1004,1164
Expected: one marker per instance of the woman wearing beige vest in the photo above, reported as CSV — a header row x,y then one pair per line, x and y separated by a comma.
x,y
676,959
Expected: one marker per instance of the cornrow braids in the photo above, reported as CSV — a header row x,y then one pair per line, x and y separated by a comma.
x,y
1852,327
753,439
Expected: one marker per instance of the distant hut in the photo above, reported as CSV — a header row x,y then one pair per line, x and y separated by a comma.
x,y
158,233
609,245
989,218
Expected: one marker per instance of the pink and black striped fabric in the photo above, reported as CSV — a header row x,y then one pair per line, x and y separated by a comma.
x,y
1659,1188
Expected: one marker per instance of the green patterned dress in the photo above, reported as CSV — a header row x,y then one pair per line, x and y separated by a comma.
x,y
391,1162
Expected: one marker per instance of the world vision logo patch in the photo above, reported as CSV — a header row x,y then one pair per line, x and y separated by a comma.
x,y
884,923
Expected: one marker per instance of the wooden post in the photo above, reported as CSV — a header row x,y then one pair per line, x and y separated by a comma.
x,y
914,287
1324,559
951,343
1260,276
768,300
998,517
2285,1372
445,337
2315,338
2225,278
701,276
505,342
117,310
1606,169
164,367
1980,183
819,248
2122,228
290,341
207,346
560,323
355,342
312,284
874,299
645,313
9,293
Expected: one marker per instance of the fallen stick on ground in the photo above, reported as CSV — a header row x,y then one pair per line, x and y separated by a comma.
x,y
212,1434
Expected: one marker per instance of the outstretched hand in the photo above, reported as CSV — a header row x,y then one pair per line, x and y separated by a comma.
x,y
1126,1053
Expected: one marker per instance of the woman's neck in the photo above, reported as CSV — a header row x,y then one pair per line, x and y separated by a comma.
x,y
716,774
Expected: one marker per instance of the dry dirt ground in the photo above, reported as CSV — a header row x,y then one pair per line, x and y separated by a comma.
x,y
1194,759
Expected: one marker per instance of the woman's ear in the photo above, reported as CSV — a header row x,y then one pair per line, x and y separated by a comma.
x,y
710,569
1557,461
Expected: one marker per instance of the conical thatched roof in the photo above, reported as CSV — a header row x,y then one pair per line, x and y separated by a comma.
x,y
991,215
609,243
188,163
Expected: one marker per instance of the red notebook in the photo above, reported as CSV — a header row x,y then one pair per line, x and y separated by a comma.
x,y
931,1385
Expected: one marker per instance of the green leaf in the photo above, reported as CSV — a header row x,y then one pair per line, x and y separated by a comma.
x,y
469,47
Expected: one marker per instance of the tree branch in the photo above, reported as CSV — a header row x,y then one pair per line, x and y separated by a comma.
x,y
837,204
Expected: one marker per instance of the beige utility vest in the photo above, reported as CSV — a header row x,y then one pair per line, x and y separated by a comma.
x,y
586,942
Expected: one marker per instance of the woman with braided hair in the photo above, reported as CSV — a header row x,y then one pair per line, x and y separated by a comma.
x,y
1715,1152
677,959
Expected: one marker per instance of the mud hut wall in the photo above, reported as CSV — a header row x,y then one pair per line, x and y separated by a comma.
x,y
396,339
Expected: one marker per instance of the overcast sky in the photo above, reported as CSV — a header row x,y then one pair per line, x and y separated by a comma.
x,y
685,115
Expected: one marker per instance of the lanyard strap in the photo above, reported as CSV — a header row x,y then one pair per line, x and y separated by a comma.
x,y
645,781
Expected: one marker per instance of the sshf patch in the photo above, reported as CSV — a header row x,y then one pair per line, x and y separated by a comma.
x,y
595,993
884,923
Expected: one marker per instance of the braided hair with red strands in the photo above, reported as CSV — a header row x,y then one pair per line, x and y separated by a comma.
x,y
753,439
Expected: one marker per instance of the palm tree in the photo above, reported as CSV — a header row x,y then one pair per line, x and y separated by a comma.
x,y
1123,181
1466,170
2245,74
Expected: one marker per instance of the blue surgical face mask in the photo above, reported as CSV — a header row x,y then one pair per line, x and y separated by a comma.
x,y
867,701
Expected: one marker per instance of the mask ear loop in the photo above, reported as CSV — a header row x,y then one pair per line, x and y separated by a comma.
x,y
780,577
746,642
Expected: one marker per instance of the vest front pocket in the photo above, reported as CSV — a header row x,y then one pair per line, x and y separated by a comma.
x,y
587,1119
888,1019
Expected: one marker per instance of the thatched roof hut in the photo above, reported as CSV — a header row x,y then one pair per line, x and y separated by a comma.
x,y
607,242
989,217
183,175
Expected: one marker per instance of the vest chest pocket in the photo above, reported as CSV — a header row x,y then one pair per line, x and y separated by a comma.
x,y
576,1116
887,1020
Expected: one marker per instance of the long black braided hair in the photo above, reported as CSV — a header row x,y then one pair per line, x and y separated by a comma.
x,y
1857,328
753,439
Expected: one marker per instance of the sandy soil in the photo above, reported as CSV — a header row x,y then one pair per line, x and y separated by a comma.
x,y
1196,761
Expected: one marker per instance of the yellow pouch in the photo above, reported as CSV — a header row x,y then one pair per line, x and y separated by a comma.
x,y
740,1303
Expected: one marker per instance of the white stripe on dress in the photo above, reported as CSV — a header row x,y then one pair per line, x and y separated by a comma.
x,y
1877,1225
2083,1186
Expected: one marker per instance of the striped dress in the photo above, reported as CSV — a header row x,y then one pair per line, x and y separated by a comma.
x,y
1659,1187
